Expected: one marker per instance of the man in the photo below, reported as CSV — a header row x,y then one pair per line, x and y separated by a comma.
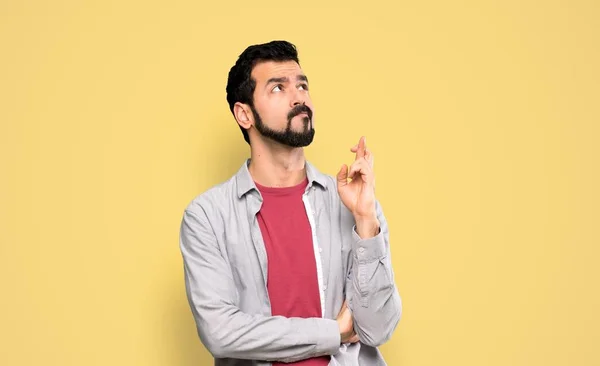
x,y
284,264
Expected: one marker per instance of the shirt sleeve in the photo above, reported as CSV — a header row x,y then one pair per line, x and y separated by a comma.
x,y
223,328
373,296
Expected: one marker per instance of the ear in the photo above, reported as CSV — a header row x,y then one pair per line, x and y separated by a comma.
x,y
243,115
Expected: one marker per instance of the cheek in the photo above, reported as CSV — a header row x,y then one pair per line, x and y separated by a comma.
x,y
279,108
273,113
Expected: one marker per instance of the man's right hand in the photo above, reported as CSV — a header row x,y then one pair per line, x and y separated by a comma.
x,y
346,325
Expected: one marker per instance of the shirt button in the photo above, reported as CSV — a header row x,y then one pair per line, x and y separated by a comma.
x,y
324,287
320,249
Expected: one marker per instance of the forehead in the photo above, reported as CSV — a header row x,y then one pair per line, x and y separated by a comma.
x,y
265,70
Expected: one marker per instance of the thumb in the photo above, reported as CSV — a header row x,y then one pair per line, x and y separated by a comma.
x,y
342,176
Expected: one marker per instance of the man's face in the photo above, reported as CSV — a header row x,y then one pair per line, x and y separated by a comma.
x,y
282,107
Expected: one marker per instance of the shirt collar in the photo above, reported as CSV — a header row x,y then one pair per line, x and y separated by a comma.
x,y
245,183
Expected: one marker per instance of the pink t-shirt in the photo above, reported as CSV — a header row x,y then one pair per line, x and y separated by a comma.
x,y
292,272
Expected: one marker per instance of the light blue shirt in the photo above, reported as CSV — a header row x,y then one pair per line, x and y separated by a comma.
x,y
225,270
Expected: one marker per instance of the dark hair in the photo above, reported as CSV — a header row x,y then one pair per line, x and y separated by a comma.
x,y
240,85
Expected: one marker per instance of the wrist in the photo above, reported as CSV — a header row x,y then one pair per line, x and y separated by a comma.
x,y
367,227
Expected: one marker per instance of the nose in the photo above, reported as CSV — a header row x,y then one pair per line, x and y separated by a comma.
x,y
297,98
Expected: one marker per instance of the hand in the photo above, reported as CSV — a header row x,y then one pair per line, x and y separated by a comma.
x,y
358,195
346,325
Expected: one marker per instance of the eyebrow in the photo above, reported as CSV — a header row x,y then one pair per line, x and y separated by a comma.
x,y
285,79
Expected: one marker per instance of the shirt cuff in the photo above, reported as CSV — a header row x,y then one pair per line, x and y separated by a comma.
x,y
329,338
368,250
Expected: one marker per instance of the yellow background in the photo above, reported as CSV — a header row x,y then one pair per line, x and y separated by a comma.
x,y
483,117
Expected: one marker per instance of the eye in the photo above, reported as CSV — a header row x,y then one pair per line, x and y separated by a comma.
x,y
303,86
277,88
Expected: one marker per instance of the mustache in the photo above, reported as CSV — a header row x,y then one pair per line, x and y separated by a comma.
x,y
301,108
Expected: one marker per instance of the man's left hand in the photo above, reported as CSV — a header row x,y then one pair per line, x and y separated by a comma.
x,y
358,194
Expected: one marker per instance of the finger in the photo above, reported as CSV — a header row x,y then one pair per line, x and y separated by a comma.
x,y
360,152
342,176
360,167
362,145
370,158
354,339
354,148
357,168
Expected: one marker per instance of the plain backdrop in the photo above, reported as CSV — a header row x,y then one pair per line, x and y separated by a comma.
x,y
483,117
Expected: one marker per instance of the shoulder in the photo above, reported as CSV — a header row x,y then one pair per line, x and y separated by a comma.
x,y
209,202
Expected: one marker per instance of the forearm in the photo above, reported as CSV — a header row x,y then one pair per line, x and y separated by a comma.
x,y
374,298
227,332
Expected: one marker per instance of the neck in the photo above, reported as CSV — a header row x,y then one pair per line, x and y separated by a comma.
x,y
276,165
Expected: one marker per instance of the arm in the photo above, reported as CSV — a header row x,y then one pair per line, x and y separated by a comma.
x,y
224,329
373,296
370,290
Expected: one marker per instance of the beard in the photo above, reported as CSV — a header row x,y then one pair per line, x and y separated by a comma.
x,y
288,137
